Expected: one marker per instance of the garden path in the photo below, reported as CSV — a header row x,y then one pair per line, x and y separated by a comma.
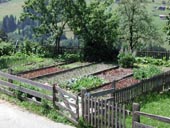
x,y
12,116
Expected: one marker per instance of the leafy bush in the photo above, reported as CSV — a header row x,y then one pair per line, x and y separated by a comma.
x,y
84,82
126,60
146,72
152,61
83,124
6,48
70,57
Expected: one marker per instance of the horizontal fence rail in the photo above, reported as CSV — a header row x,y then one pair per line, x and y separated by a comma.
x,y
136,113
10,84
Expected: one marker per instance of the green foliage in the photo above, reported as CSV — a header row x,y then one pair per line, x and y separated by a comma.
x,y
126,60
83,124
152,61
29,48
167,28
23,62
70,57
84,82
50,14
3,36
96,27
45,107
6,48
153,103
136,25
146,72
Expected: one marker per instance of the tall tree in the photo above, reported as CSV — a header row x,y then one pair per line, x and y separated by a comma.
x,y
3,36
51,17
167,28
96,26
136,25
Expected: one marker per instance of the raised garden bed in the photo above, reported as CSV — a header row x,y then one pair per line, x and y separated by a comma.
x,y
64,76
51,70
115,74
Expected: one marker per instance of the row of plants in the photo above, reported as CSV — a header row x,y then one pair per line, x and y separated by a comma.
x,y
24,62
146,72
77,84
80,72
151,60
127,60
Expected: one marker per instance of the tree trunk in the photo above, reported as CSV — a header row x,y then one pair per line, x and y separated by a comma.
x,y
57,45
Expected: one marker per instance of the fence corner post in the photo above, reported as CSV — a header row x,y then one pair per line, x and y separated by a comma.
x,y
135,117
83,91
10,71
54,96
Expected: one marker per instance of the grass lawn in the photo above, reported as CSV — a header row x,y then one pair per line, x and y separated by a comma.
x,y
158,104
12,7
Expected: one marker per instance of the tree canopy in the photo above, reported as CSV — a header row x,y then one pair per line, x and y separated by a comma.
x,y
96,26
50,15
136,24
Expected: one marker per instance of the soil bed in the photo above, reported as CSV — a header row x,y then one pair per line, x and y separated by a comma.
x,y
115,74
122,83
37,73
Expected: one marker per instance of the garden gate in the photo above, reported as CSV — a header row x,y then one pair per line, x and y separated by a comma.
x,y
66,103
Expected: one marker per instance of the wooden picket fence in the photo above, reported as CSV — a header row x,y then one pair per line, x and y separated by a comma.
x,y
136,113
66,103
10,84
154,54
102,114
157,83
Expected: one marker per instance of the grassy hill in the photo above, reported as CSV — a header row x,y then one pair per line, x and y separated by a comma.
x,y
15,7
12,7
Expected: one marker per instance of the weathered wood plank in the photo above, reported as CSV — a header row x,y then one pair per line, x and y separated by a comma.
x,y
65,92
32,83
69,118
25,90
152,116
140,125
74,115
101,93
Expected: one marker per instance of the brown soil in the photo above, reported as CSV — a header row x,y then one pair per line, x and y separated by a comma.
x,y
115,74
122,83
126,82
34,74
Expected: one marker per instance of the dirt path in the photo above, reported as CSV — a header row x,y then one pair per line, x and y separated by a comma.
x,y
12,116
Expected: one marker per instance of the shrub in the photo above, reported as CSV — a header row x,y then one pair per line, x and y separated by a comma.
x,y
152,61
146,72
70,57
126,60
5,48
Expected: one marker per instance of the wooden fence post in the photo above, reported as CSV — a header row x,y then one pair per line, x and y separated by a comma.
x,y
77,109
55,99
135,118
83,91
10,71
113,86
